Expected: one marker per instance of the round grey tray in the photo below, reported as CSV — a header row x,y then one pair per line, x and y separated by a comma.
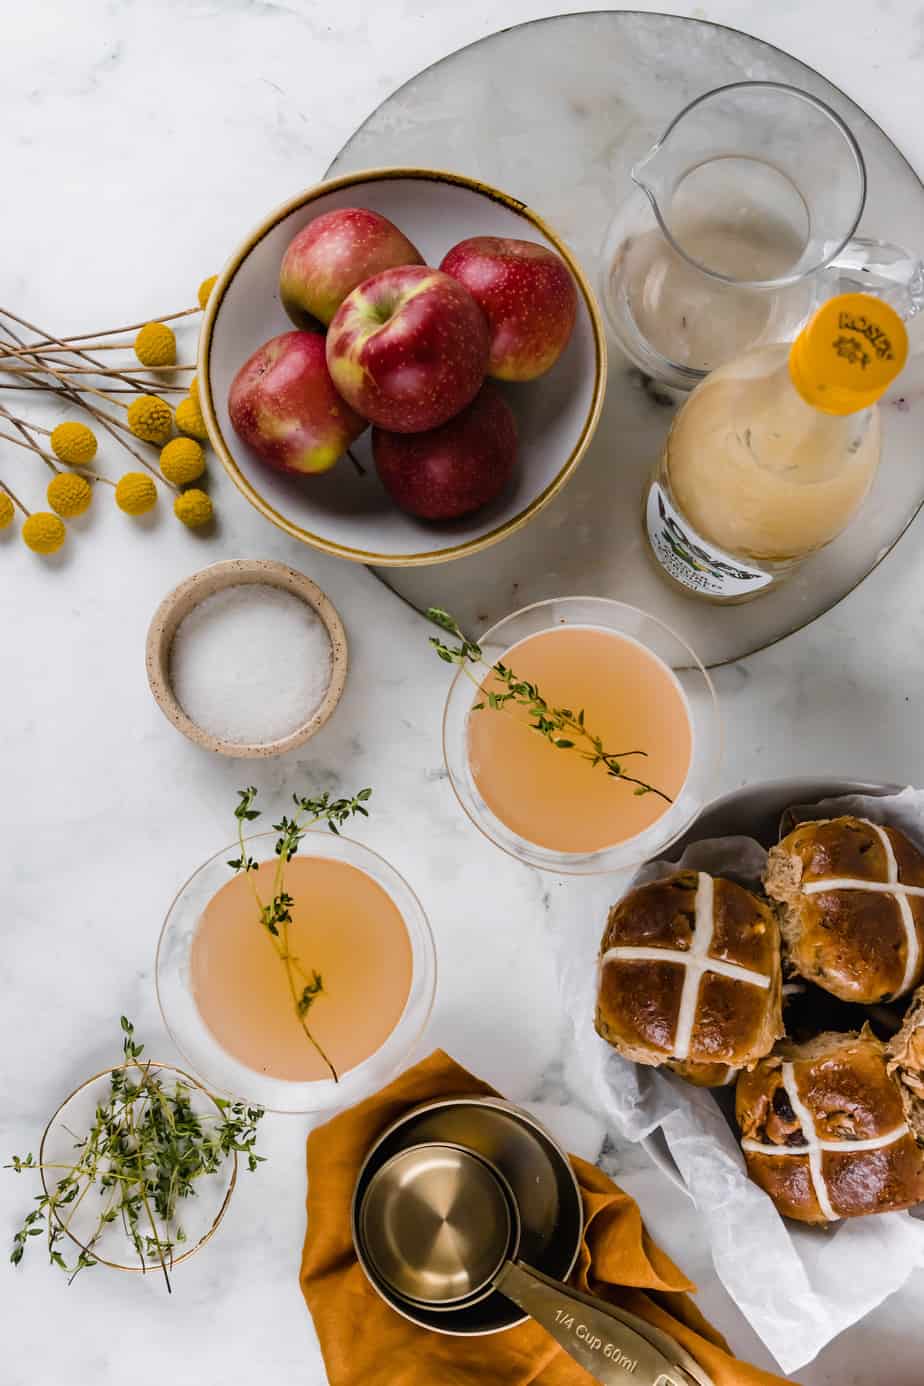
x,y
556,112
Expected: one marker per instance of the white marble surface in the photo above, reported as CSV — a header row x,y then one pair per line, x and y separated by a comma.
x,y
139,140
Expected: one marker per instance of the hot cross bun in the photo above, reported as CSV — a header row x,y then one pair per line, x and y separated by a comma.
x,y
690,977
852,916
823,1131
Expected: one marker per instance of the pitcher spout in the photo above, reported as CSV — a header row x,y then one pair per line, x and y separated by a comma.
x,y
652,175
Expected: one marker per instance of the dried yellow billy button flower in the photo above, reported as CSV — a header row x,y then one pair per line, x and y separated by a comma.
x,y
194,388
69,494
205,288
73,443
43,533
136,493
155,345
149,418
189,419
182,461
194,508
7,510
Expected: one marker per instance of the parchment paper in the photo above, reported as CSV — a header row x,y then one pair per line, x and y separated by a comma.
x,y
798,1286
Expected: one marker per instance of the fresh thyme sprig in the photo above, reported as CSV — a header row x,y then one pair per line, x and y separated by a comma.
x,y
276,915
143,1154
560,726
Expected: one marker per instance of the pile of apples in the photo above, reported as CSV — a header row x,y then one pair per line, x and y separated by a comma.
x,y
384,339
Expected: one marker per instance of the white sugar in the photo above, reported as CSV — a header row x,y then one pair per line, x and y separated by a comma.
x,y
251,663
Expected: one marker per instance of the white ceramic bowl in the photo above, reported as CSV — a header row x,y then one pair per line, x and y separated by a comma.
x,y
351,515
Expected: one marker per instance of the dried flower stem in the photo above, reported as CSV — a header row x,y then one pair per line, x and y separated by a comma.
x,y
112,331
34,372
31,327
105,370
64,367
30,369
112,426
33,447
22,426
46,348
24,423
54,390
50,461
14,498
105,421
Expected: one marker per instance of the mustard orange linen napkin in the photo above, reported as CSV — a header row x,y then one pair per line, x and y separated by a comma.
x,y
366,1344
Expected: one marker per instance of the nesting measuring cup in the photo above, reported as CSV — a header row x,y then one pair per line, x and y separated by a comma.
x,y
741,222
439,1227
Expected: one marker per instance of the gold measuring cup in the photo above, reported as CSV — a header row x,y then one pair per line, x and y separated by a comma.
x,y
439,1227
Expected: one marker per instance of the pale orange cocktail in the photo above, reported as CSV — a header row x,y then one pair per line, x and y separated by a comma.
x,y
345,927
630,700
580,734
316,1012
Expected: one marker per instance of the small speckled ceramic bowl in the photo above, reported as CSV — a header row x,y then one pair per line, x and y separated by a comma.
x,y
234,573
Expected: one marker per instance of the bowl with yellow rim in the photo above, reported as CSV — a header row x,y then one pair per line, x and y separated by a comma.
x,y
347,512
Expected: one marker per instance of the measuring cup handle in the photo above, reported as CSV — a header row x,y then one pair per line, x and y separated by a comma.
x,y
602,1339
876,267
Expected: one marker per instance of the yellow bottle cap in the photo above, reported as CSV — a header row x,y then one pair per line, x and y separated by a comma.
x,y
848,353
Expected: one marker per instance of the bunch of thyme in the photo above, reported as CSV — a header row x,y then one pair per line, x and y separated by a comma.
x,y
276,915
561,726
143,1154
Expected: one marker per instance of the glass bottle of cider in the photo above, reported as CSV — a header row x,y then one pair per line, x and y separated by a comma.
x,y
773,453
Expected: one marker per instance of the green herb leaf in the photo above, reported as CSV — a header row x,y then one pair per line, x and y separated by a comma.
x,y
547,721
276,916
310,993
144,1153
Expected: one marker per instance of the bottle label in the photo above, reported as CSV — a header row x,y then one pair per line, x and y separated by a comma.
x,y
692,561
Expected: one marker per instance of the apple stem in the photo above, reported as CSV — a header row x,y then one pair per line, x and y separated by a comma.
x,y
356,462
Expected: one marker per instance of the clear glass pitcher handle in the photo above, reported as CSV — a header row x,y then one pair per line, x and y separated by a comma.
x,y
876,267
615,1347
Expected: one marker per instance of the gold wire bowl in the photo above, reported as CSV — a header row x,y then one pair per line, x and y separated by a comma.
x,y
54,1143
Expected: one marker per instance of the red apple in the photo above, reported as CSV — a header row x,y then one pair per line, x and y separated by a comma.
x,y
334,253
451,470
283,404
528,296
408,349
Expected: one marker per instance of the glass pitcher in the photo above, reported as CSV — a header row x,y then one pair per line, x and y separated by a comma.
x,y
740,224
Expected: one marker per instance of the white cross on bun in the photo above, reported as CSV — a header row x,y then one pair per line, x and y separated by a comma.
x,y
690,977
852,907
